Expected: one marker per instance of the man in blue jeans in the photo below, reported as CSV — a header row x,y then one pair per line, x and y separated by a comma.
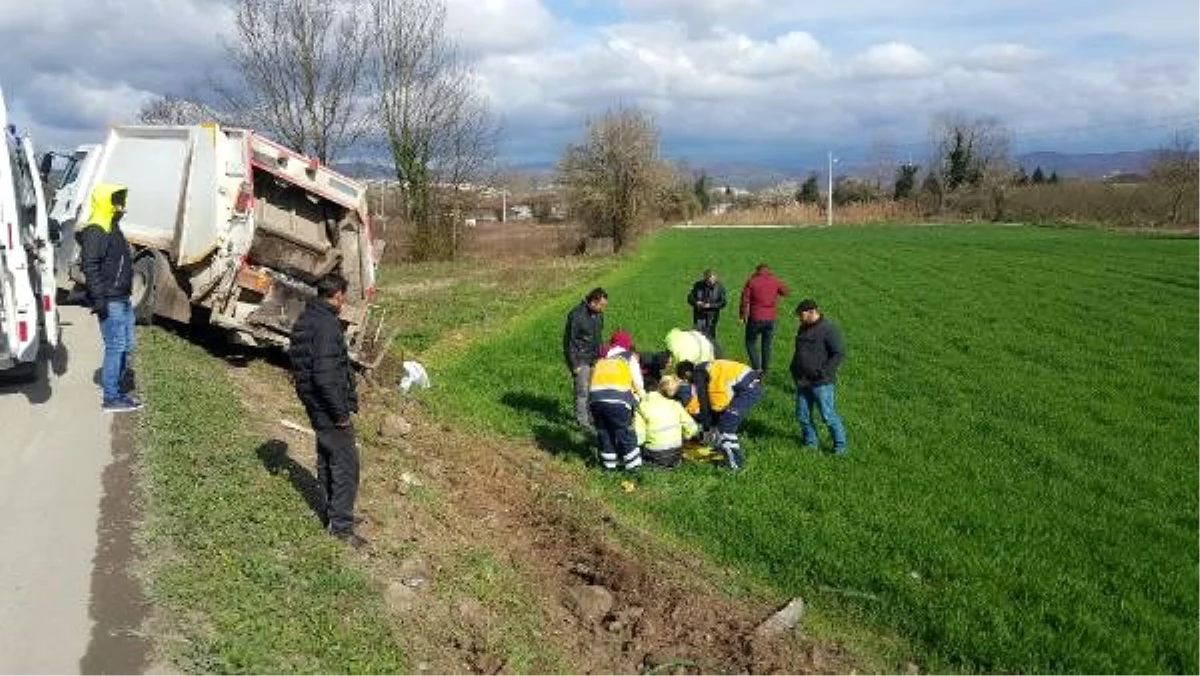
x,y
107,265
819,353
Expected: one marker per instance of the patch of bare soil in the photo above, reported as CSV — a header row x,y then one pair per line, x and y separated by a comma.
x,y
605,597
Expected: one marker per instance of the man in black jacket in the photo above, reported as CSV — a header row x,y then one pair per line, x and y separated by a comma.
x,y
581,347
707,297
819,353
324,382
107,266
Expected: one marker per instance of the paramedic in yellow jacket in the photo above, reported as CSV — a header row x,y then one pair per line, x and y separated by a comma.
x,y
689,345
661,425
612,397
725,391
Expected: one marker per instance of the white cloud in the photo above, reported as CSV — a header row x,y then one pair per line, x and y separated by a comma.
x,y
747,74
1002,56
500,26
700,18
892,59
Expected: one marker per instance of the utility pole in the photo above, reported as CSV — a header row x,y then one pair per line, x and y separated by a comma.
x,y
503,205
829,195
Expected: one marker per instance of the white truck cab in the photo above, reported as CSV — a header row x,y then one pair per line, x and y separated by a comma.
x,y
68,205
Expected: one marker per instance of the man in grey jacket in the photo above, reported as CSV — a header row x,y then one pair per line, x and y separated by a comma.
x,y
581,347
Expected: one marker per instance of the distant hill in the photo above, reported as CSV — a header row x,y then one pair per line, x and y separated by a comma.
x,y
364,170
755,176
1088,165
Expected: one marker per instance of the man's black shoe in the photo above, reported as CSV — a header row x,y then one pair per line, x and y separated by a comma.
x,y
351,538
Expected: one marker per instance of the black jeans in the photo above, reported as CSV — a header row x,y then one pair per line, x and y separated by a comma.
x,y
337,475
756,329
706,323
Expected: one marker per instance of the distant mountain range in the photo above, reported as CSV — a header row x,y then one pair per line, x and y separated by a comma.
x,y
1088,165
756,176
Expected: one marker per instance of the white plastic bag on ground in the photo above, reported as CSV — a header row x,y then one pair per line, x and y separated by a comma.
x,y
414,374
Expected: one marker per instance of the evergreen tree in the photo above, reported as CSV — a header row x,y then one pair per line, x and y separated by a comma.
x,y
1038,177
809,193
906,180
701,190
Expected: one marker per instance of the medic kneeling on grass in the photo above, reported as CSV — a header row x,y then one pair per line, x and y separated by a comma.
x,y
662,424
724,392
613,394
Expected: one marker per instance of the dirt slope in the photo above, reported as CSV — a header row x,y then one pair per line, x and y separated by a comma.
x,y
494,559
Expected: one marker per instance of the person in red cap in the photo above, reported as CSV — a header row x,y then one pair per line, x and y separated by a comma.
x,y
615,390
760,296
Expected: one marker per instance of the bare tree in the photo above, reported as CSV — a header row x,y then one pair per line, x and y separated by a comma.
x,y
438,129
301,66
882,160
1176,168
172,110
968,152
614,176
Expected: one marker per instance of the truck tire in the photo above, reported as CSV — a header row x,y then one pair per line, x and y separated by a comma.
x,y
141,296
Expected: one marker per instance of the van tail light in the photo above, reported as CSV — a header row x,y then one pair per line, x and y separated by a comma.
x,y
22,331
46,302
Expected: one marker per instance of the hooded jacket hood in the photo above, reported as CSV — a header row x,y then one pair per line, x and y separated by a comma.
x,y
103,212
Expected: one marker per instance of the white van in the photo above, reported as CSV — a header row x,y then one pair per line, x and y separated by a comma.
x,y
28,309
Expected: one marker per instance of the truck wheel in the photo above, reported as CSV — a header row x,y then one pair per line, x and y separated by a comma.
x,y
142,293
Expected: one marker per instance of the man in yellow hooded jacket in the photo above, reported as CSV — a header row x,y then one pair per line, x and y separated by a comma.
x,y
107,265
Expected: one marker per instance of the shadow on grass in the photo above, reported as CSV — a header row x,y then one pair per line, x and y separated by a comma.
x,y
218,342
556,432
764,430
275,458
539,404
560,440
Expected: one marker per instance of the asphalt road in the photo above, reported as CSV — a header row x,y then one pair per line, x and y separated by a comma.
x,y
67,604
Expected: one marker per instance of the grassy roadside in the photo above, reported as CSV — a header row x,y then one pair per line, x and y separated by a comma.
x,y
241,580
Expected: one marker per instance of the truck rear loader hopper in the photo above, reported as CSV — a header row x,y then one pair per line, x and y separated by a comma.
x,y
230,226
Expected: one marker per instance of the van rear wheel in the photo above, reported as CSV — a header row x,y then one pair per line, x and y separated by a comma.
x,y
141,295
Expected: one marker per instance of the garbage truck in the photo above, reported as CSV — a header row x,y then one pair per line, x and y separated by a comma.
x,y
228,227
28,310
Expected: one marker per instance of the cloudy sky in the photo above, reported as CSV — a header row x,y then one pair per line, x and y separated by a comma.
x,y
756,81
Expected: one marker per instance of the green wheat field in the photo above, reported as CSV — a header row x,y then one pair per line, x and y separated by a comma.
x,y
1021,490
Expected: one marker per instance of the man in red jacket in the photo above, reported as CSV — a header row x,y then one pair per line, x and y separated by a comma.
x,y
760,296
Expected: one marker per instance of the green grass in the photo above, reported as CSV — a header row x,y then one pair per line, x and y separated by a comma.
x,y
247,580
1021,493
427,302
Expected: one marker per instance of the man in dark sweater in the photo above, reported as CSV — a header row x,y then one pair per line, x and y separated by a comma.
x,y
581,347
107,265
819,353
324,381
707,297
